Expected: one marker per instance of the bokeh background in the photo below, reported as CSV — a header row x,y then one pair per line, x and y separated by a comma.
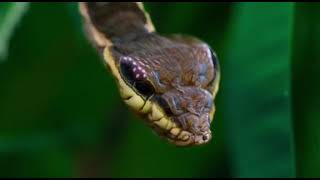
x,y
61,114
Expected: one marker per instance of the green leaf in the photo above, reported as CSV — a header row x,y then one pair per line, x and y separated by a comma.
x,y
11,13
56,97
306,88
256,78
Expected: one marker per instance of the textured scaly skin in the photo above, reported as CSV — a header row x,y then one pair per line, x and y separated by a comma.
x,y
171,82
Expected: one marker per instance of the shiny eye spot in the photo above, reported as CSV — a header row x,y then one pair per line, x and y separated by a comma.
x,y
203,68
136,76
209,103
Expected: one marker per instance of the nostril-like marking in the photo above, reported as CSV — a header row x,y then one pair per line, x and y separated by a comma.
x,y
205,137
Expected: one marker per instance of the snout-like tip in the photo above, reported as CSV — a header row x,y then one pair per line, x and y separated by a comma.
x,y
190,139
203,138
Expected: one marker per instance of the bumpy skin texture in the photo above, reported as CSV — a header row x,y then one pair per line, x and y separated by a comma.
x,y
178,73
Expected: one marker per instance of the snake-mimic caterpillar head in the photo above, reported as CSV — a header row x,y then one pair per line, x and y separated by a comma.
x,y
170,81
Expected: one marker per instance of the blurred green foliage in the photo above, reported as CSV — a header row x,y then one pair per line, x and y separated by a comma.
x,y
61,114
11,14
306,88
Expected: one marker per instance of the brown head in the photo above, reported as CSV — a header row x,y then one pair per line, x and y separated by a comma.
x,y
171,81
177,84
190,107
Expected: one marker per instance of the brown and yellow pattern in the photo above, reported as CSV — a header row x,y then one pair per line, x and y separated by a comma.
x,y
170,81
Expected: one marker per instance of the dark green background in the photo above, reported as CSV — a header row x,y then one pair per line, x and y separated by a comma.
x,y
61,114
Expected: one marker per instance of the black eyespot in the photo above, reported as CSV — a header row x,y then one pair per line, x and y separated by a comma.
x,y
205,137
145,88
215,60
126,71
164,104
216,66
136,77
